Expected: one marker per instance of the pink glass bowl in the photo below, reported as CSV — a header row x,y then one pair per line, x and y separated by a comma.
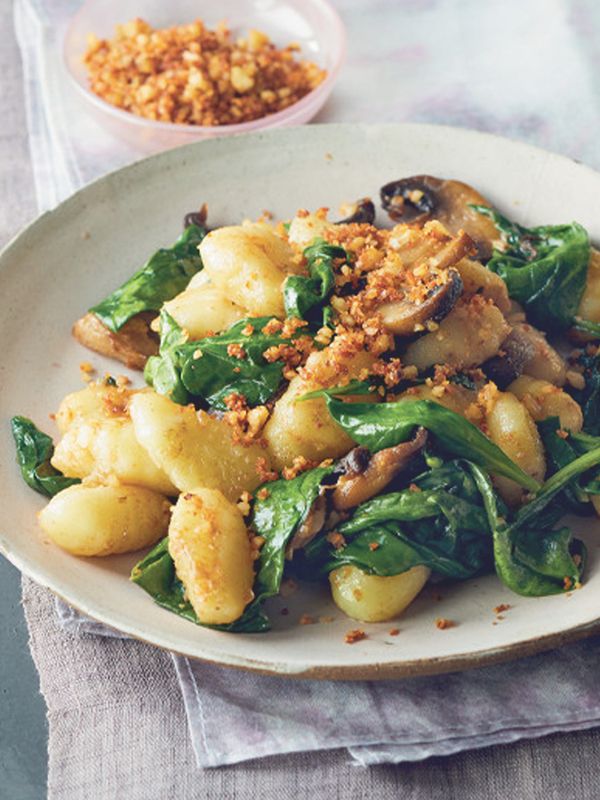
x,y
314,24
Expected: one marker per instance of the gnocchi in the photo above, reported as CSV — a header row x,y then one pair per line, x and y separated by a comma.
x,y
109,447
372,598
96,520
542,399
193,448
249,263
203,311
512,428
305,228
471,333
210,547
303,427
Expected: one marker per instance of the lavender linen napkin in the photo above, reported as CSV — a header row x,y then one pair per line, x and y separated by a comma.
x,y
542,88
235,716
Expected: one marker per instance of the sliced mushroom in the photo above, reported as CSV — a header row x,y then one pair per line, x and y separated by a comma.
x,y
546,363
363,211
196,217
515,353
315,519
420,198
132,345
477,279
361,484
404,318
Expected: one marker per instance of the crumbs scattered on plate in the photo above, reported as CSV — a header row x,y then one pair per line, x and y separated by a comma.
x,y
356,635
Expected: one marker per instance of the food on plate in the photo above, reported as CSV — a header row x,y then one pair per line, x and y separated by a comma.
x,y
369,407
192,75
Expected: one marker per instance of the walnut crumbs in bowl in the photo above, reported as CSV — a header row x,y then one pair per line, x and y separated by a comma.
x,y
162,74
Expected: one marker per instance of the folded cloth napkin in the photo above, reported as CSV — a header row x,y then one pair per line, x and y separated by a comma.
x,y
521,78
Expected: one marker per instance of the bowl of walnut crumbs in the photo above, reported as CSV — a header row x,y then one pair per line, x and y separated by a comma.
x,y
161,74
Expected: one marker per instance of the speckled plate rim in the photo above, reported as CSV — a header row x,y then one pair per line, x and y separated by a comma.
x,y
372,671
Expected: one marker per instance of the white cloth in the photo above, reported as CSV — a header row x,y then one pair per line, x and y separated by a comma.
x,y
527,70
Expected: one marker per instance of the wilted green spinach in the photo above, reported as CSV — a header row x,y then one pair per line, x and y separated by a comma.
x,y
379,425
305,297
544,268
34,451
210,369
163,276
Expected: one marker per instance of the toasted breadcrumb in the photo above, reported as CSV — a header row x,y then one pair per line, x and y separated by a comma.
x,y
306,619
236,350
288,587
243,503
393,631
336,539
300,464
264,473
190,74
442,623
356,635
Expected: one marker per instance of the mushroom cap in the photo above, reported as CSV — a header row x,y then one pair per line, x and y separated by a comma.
x,y
515,352
363,211
404,318
419,198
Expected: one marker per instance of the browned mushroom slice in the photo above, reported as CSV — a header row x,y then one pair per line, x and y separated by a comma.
x,y
363,211
196,217
420,198
404,317
315,519
515,353
546,364
360,484
132,345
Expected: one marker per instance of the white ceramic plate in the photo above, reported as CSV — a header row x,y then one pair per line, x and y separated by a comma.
x,y
73,256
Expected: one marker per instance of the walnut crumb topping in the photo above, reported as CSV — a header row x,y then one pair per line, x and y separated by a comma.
x,y
442,623
356,635
193,75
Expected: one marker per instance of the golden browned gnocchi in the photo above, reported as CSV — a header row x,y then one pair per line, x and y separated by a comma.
x,y
193,448
303,427
479,280
546,364
305,228
96,520
543,399
104,447
371,598
471,333
98,401
210,547
249,263
456,398
511,427
589,306
204,311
